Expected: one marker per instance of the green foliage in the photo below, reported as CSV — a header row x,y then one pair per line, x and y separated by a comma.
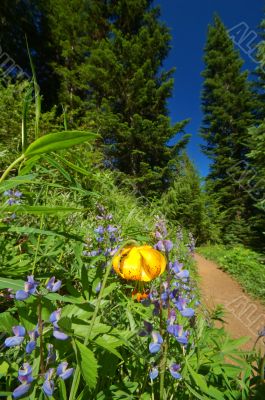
x,y
227,117
187,204
244,264
85,51
129,95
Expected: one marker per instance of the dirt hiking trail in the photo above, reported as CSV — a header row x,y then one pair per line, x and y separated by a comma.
x,y
244,315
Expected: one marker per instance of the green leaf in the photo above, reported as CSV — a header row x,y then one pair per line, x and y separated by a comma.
x,y
105,341
39,210
27,165
110,289
65,324
62,390
75,384
99,329
73,166
88,364
7,321
196,394
58,141
4,368
5,394
84,395
55,164
18,180
65,299
26,104
15,284
199,380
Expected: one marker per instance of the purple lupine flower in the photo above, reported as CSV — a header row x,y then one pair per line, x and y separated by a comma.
x,y
153,374
17,193
31,345
172,317
185,311
111,229
155,346
54,318
148,327
174,368
113,238
114,250
53,286
31,285
160,246
11,201
100,230
21,295
48,385
168,245
25,377
178,332
164,297
51,357
179,234
63,372
29,288
156,309
98,287
179,272
161,227
191,244
158,235
14,196
59,334
176,267
164,245
25,374
94,253
19,332
21,390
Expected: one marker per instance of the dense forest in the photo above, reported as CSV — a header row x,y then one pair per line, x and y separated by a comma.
x,y
100,66
102,212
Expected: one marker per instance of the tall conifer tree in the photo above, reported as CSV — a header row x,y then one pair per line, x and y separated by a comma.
x,y
129,92
227,105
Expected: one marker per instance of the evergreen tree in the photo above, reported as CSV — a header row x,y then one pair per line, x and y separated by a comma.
x,y
257,144
18,20
187,204
69,29
227,104
102,62
129,92
259,83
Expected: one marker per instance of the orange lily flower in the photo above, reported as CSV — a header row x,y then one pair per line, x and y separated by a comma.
x,y
139,263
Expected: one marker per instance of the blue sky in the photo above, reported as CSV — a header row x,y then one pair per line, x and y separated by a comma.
x,y
188,21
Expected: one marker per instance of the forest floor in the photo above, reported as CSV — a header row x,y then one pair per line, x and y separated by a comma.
x,y
244,316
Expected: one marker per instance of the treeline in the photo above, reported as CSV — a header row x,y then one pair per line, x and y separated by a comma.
x,y
101,62
233,129
100,66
